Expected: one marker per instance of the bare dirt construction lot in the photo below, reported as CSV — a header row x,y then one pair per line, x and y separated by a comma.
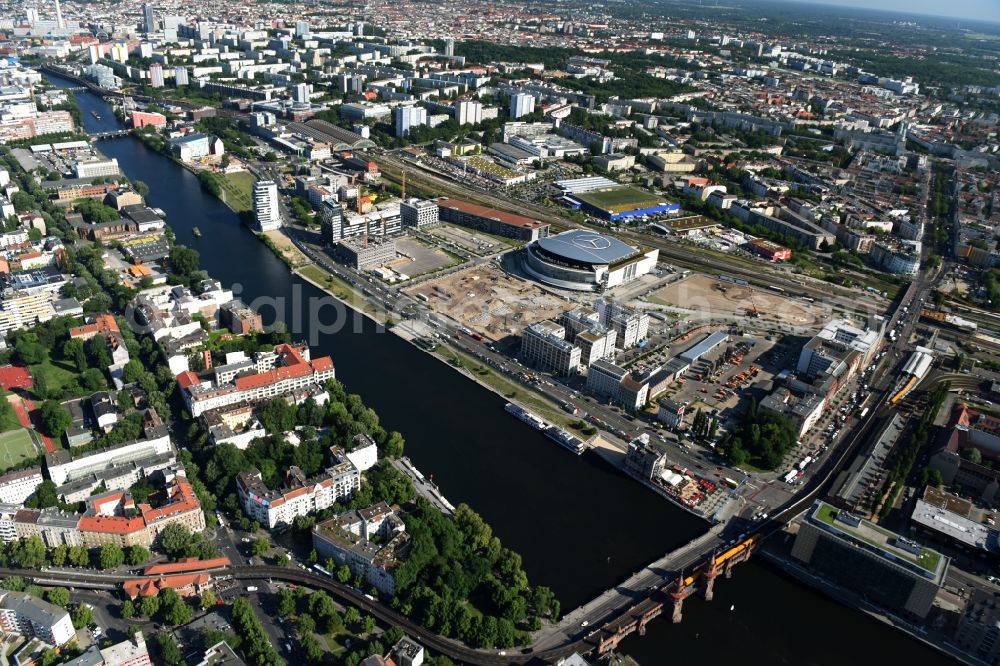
x,y
704,293
489,301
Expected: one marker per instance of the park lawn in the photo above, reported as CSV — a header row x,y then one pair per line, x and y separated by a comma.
x,y
56,373
16,446
237,190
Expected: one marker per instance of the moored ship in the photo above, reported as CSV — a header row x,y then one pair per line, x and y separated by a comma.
x,y
525,415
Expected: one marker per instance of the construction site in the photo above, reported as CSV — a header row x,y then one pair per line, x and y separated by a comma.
x,y
488,301
715,296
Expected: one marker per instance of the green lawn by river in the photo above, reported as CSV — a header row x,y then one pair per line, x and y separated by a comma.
x,y
237,190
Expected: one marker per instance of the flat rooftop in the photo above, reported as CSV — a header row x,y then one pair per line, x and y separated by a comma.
x,y
954,526
931,562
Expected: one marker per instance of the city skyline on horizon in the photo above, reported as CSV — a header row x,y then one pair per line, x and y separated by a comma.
x,y
974,10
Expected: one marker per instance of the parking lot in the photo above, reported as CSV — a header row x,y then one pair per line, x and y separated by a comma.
x,y
470,241
418,258
721,380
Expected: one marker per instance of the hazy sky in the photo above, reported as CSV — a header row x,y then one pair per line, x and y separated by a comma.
x,y
988,10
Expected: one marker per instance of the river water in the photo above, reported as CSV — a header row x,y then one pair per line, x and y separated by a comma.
x,y
579,525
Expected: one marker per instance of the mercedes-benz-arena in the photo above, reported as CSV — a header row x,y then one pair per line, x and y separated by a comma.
x,y
586,260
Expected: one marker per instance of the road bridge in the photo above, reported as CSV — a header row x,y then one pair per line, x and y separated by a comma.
x,y
111,134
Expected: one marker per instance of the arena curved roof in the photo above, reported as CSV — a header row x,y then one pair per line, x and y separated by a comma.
x,y
583,246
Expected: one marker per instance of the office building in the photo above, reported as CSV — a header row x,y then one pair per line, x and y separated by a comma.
x,y
96,168
148,18
130,652
406,118
671,413
630,325
364,253
839,345
521,104
418,213
156,75
604,378
867,559
266,205
331,222
491,221
544,346
196,145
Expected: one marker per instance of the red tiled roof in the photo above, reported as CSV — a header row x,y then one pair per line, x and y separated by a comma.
x,y
111,524
187,379
189,564
489,213
150,587
104,323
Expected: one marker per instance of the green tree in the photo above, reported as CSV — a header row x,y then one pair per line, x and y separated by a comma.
x,y
343,573
58,596
59,555
177,613
394,445
351,616
176,540
260,547
45,496
83,616
170,653
138,555
183,261
31,554
54,418
208,600
78,556
973,455
28,351
73,351
110,556
149,606
286,603
128,609
368,625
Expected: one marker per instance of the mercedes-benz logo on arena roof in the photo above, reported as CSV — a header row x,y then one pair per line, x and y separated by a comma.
x,y
592,242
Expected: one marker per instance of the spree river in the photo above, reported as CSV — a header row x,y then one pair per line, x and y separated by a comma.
x,y
579,525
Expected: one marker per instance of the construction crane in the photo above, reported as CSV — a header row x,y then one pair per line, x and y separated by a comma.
x,y
752,311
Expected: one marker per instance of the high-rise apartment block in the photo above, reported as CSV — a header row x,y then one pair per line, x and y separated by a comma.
x,y
265,205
